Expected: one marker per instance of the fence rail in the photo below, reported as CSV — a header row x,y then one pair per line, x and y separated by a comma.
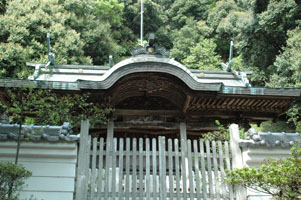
x,y
157,169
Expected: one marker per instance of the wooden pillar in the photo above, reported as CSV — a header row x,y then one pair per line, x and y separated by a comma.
x,y
109,158
237,161
110,135
184,165
183,131
83,162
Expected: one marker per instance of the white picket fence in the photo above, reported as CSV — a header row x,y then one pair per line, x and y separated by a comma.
x,y
154,169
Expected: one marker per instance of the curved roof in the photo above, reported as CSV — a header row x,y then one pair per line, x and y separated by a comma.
x,y
105,77
195,93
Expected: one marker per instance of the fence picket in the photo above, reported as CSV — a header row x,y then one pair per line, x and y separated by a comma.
x,y
108,168
100,167
183,162
197,169
228,165
177,163
121,147
216,179
221,165
191,185
208,154
170,169
154,154
141,191
127,169
203,169
147,179
162,167
114,155
134,175
93,175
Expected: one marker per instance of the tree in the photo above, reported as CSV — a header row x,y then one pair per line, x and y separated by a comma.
x,y
280,178
187,37
258,28
77,36
155,21
287,71
110,11
11,180
47,107
216,18
181,11
203,56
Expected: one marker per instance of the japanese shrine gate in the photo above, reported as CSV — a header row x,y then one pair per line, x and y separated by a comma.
x,y
155,168
158,98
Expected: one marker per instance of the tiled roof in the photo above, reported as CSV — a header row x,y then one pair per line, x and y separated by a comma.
x,y
141,63
38,133
269,139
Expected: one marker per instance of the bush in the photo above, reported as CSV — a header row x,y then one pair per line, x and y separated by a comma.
x,y
11,180
279,178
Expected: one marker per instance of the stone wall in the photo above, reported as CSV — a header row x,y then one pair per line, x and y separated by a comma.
x,y
49,152
259,146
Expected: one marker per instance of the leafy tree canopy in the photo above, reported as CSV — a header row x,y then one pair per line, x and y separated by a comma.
x,y
280,178
77,36
203,56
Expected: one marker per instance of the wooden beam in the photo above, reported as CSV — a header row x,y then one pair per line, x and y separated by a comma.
x,y
163,126
147,112
186,104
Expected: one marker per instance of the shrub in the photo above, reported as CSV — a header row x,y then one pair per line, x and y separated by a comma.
x,y
279,178
11,180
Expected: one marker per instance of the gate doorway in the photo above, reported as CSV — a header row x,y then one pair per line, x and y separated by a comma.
x,y
153,169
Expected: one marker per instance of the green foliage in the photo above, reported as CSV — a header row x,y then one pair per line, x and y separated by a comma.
x,y
110,11
203,56
3,4
77,35
221,135
188,37
288,63
258,28
280,126
287,70
155,21
11,180
71,108
217,19
180,11
280,178
45,107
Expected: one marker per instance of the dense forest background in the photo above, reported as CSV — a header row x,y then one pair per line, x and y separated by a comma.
x,y
266,35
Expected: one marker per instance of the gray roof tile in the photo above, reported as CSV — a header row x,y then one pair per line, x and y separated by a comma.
x,y
269,139
38,133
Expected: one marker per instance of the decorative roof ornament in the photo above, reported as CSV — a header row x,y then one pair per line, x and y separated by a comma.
x,y
241,75
228,67
151,48
51,56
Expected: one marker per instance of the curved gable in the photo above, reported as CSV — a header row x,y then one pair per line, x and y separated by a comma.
x,y
146,64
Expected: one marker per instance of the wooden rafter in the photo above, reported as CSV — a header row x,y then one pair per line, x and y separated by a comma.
x,y
186,104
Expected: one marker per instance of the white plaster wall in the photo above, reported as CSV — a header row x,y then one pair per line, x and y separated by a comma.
x,y
53,167
254,156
